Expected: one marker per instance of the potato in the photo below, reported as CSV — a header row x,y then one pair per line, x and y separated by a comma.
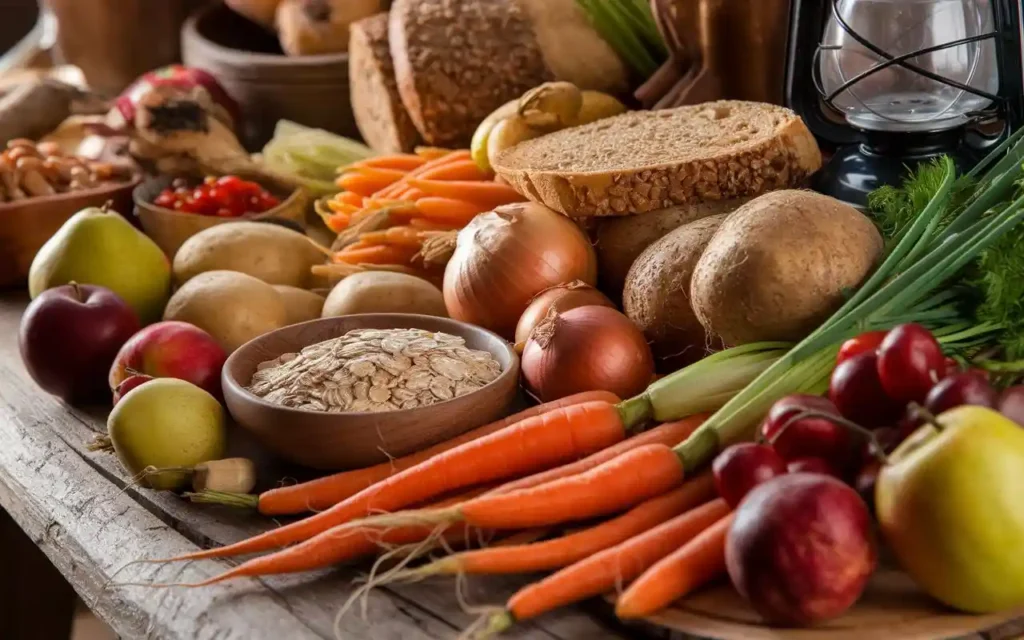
x,y
779,266
270,252
657,294
384,292
232,307
301,305
620,240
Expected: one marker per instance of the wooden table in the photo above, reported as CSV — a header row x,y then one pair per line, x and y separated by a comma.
x,y
73,505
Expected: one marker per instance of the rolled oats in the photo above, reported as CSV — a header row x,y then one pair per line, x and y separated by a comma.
x,y
373,370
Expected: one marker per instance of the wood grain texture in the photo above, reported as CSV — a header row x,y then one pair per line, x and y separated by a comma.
x,y
74,506
353,440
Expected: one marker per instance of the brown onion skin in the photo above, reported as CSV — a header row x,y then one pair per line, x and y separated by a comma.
x,y
586,349
561,298
504,258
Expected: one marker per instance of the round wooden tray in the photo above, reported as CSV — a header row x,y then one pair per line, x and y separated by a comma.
x,y
891,607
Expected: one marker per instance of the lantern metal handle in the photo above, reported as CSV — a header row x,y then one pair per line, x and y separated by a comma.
x,y
891,60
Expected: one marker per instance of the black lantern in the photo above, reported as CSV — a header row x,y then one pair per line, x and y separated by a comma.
x,y
885,84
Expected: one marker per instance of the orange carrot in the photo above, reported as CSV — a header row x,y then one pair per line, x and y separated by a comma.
x,y
603,571
690,566
449,158
341,207
449,211
334,548
616,485
349,198
337,222
368,181
457,170
569,549
537,443
360,244
487,194
399,236
668,434
377,254
400,161
322,493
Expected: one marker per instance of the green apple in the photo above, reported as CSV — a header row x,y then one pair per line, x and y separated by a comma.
x,y
97,246
166,425
950,504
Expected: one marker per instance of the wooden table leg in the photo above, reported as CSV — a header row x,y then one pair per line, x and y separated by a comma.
x,y
37,603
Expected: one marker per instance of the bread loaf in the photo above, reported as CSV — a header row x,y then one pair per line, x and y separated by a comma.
x,y
380,115
648,160
456,61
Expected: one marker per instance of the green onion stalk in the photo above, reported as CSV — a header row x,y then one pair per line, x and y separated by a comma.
x,y
929,252
629,28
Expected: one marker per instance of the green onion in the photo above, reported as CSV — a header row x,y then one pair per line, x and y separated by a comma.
x,y
628,26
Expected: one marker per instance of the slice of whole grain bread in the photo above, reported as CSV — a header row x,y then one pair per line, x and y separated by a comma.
x,y
456,61
379,112
647,160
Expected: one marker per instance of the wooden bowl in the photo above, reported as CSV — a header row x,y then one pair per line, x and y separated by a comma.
x,y
26,225
170,229
352,440
269,86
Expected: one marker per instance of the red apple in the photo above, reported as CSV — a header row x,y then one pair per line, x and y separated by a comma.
x,y
800,548
70,335
171,350
133,380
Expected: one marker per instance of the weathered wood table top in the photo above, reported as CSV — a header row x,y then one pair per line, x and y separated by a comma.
x,y
75,506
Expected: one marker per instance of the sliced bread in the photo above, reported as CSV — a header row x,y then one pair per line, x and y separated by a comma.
x,y
648,160
456,61
380,115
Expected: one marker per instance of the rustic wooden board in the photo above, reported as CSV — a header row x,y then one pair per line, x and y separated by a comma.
x,y
891,607
74,505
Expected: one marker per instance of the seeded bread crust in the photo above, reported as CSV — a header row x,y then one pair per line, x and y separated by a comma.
x,y
557,170
456,61
376,104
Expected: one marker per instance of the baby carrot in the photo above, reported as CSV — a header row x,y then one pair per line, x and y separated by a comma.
x,y
602,571
322,493
566,550
366,181
400,161
430,225
457,170
537,443
337,222
448,211
398,236
377,254
432,153
690,566
454,156
348,197
485,193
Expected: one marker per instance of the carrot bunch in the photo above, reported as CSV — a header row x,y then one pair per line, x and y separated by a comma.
x,y
391,205
583,459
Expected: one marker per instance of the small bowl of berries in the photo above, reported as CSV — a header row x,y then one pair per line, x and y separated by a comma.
x,y
172,210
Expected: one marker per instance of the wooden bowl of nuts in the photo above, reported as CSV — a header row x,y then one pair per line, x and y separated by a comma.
x,y
40,188
352,391
170,228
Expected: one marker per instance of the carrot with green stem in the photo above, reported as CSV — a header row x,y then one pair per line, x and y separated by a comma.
x,y
323,493
535,444
604,571
569,549
692,565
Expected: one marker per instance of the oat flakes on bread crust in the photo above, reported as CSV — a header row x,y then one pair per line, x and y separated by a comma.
x,y
647,160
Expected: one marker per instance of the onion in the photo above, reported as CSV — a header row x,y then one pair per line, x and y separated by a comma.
x,y
586,349
503,258
561,298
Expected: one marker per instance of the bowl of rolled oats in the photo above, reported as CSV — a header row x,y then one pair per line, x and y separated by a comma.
x,y
353,391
